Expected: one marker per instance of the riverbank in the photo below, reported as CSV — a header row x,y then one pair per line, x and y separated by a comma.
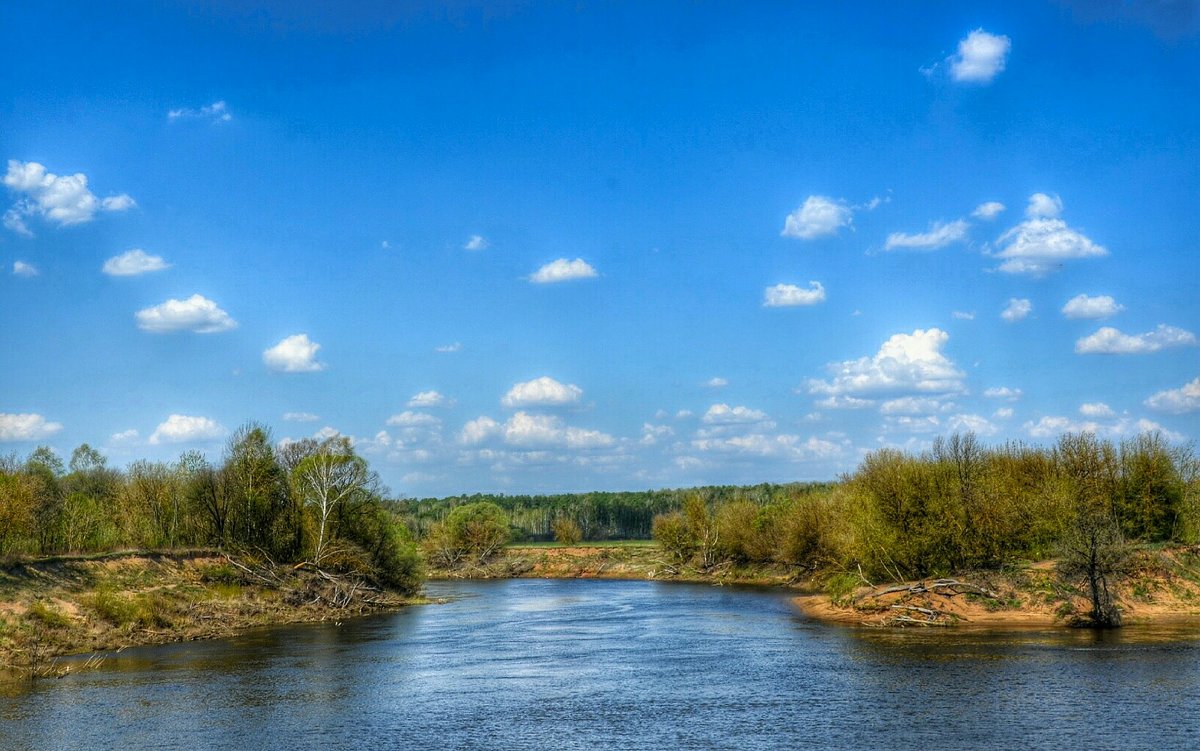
x,y
1161,586
78,604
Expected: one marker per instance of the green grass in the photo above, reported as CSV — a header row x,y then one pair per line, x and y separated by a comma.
x,y
587,544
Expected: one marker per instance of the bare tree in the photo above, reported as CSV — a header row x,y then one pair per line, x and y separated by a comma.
x,y
332,474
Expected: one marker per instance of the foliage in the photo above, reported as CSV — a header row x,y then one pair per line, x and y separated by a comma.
x,y
567,531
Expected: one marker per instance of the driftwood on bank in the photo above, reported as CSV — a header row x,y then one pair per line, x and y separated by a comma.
x,y
944,587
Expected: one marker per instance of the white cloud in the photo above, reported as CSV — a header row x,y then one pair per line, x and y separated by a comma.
x,y
789,295
125,436
1096,409
217,112
410,419
1003,413
723,414
479,430
817,217
652,434
1042,206
987,211
185,428
134,262
716,382
524,429
476,242
905,363
27,270
980,57
1017,309
563,270
428,399
26,427
544,391
962,315
759,445
1003,392
1054,426
914,405
197,313
940,234
1110,341
1082,306
446,349
293,354
843,402
300,417
1042,242
971,423
60,199
1186,398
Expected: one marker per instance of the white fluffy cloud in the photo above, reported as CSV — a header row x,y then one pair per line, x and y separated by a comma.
x,y
817,217
1003,392
1186,398
980,57
1017,309
789,295
476,242
217,112
940,234
410,419
768,446
914,405
530,431
134,262
1082,306
197,313
186,428
1096,409
906,363
479,430
1054,426
1042,242
723,414
428,399
988,211
1110,341
59,199
563,270
542,392
964,423
22,269
26,427
293,354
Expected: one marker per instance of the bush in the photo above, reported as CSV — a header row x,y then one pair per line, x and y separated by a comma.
x,y
566,531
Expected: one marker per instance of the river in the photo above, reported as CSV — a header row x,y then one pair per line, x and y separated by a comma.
x,y
538,664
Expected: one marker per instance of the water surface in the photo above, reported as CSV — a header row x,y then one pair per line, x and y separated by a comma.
x,y
535,664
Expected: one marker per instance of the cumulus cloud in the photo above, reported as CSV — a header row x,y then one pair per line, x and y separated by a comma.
x,y
914,405
1003,392
1096,409
22,269
1042,242
134,262
293,354
817,217
789,295
543,391
652,434
300,417
844,402
905,363
125,436
524,430
186,428
940,234
479,430
1082,306
1003,413
197,314
1054,426
1178,401
26,427
60,199
563,270
428,399
410,419
476,242
716,382
980,58
972,423
217,112
767,446
1017,309
988,211
723,414
1110,341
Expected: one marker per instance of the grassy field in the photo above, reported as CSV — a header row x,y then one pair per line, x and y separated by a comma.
x,y
585,544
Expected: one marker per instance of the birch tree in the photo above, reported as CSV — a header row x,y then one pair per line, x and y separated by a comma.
x,y
332,475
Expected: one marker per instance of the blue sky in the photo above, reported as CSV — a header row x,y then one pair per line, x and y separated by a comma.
x,y
536,247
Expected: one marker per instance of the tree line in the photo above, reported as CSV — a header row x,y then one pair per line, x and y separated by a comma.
x,y
312,501
963,506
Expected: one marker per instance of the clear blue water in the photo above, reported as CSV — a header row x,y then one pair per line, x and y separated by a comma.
x,y
534,664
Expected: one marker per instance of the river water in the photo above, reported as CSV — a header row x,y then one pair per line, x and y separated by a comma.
x,y
537,664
